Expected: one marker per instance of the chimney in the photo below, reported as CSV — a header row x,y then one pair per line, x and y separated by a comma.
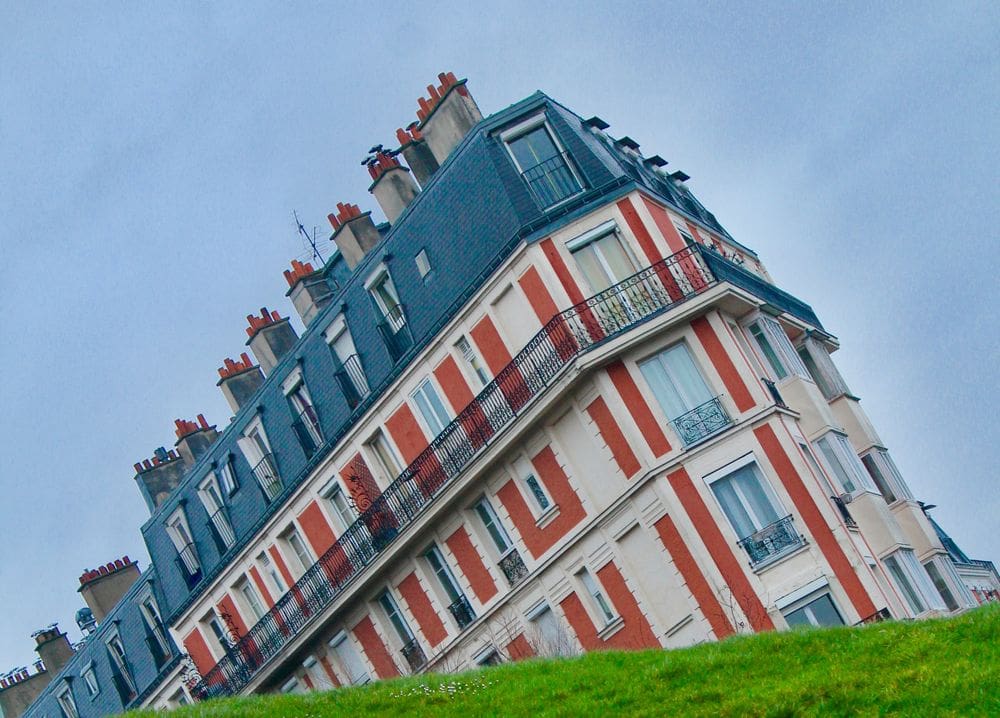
x,y
307,289
158,476
53,648
417,154
392,184
103,588
271,337
354,232
447,115
239,380
194,439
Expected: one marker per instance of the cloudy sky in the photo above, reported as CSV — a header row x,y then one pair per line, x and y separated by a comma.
x,y
150,164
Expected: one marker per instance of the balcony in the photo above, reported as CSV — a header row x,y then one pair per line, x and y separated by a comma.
x,y
569,334
772,389
267,477
351,377
414,655
513,567
552,181
395,332
771,542
462,612
306,428
702,422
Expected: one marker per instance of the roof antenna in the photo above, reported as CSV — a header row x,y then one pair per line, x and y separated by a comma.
x,y
311,240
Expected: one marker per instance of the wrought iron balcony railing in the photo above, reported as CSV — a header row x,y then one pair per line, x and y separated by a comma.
x,y
553,180
267,477
880,615
513,567
646,294
775,394
414,655
772,541
844,513
395,332
352,380
462,612
702,422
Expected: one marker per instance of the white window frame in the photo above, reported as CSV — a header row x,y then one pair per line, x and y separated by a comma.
x,y
765,483
785,354
590,237
304,555
599,603
150,612
179,532
917,579
255,445
381,276
89,676
301,403
343,515
805,597
445,577
120,658
380,438
271,571
524,127
211,498
290,686
337,330
342,639
435,422
474,366
526,476
884,464
393,608
66,701
841,448
491,517
219,631
228,481
251,598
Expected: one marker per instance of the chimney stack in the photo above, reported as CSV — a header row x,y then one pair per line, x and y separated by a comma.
x,y
271,337
194,439
354,233
392,184
239,380
417,154
307,289
53,648
158,476
447,115
103,588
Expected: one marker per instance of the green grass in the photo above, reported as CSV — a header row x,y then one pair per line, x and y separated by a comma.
x,y
948,667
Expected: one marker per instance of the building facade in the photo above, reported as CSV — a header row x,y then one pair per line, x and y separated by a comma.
x,y
549,406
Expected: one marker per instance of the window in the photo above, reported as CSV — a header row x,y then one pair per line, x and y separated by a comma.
x,y
886,476
603,257
219,633
393,322
291,686
257,451
472,360
306,421
491,522
302,554
180,535
775,349
423,263
428,401
119,667
941,585
341,507
546,635
349,371
90,681
399,624
843,463
156,634
211,499
817,609
683,394
912,581
820,474
227,476
350,660
816,358
599,601
815,373
683,231
489,656
251,599
535,489
271,572
459,604
66,703
384,455
542,163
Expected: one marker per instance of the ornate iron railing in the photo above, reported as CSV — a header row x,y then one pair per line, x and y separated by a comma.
x,y
414,655
844,513
771,541
395,332
702,422
775,394
552,181
880,615
351,377
462,612
568,334
513,567
267,477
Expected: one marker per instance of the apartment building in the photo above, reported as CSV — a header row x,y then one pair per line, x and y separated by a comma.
x,y
550,405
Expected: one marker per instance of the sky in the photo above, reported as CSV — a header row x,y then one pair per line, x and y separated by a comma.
x,y
150,165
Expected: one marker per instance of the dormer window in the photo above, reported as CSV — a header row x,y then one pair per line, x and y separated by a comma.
x,y
305,421
257,451
392,324
349,371
542,162
187,555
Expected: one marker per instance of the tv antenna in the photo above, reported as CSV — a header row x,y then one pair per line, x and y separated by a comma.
x,y
310,239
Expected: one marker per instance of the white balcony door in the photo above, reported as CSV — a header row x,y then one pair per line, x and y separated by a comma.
x,y
746,500
604,261
675,381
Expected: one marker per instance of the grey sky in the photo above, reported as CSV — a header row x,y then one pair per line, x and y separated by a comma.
x,y
149,166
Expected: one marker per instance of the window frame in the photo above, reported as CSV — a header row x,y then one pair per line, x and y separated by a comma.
x,y
600,604
380,438
472,362
120,658
401,628
730,469
847,460
337,330
292,536
334,645
442,572
590,239
530,484
228,480
178,517
523,128
205,490
783,361
428,391
424,267
248,595
335,489
149,609
485,506
89,677
805,602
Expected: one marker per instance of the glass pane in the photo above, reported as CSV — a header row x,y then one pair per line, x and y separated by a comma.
x,y
675,380
533,148
491,524
835,464
903,582
751,490
941,585
768,351
595,273
876,473
615,256
734,509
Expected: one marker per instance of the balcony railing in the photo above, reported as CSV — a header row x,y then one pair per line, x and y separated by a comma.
x,y
395,332
307,429
187,561
222,530
414,655
844,513
351,377
462,612
267,477
619,308
552,181
880,615
775,394
771,542
513,567
702,422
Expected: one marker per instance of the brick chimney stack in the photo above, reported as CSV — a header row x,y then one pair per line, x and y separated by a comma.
x,y
307,289
447,115
417,154
239,380
102,588
158,476
271,337
354,233
194,439
53,648
392,184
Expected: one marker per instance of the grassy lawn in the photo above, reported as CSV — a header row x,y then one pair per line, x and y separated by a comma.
x,y
948,667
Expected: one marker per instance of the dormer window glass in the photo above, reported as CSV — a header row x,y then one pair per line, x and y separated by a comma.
x,y
180,536
392,325
305,421
348,368
257,451
211,499
542,162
